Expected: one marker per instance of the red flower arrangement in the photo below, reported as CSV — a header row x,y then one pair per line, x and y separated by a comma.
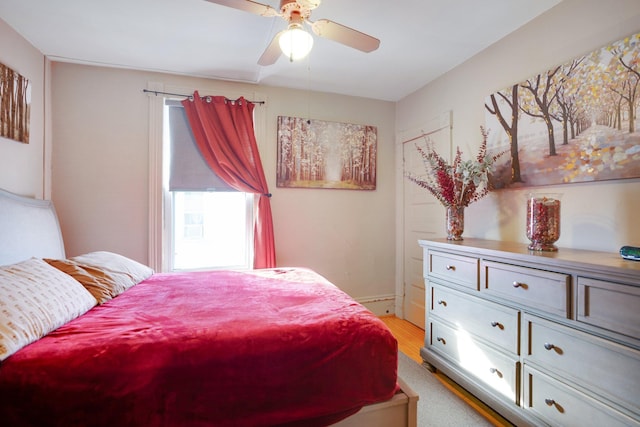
x,y
461,183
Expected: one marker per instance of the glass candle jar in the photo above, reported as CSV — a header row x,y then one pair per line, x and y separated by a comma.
x,y
543,221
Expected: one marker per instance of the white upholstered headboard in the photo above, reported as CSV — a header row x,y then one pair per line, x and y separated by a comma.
x,y
28,228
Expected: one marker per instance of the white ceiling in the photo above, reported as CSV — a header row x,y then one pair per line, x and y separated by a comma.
x,y
420,39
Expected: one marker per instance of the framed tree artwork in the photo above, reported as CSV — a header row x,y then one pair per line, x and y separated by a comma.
x,y
15,105
576,122
323,154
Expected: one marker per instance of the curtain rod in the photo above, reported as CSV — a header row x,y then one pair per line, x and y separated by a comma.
x,y
157,92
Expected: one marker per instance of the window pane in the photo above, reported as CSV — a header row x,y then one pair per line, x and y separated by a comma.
x,y
210,230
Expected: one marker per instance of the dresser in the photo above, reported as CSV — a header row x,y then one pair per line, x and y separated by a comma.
x,y
544,338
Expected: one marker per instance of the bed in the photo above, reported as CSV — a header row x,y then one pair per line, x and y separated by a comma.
x,y
105,341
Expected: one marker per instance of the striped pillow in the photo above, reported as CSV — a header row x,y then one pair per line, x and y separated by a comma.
x,y
35,299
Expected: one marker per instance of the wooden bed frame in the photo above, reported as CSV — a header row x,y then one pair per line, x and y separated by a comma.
x,y
400,410
30,228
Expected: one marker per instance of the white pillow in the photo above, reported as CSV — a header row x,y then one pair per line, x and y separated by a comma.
x,y
35,299
123,272
105,274
110,261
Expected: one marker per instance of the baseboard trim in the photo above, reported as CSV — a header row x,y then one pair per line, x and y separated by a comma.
x,y
380,305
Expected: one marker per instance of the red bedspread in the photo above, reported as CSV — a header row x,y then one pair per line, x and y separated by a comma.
x,y
221,348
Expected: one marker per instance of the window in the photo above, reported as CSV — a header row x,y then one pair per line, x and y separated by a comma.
x,y
208,224
210,229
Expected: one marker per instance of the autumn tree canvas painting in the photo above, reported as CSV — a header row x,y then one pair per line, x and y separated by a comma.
x,y
323,154
576,122
15,105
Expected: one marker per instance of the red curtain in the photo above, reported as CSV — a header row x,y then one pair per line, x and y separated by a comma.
x,y
223,131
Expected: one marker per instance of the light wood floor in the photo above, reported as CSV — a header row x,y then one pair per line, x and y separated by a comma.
x,y
410,340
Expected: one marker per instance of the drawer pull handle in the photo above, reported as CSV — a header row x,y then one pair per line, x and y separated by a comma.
x,y
550,402
495,371
442,340
549,346
497,325
519,285
442,302
451,267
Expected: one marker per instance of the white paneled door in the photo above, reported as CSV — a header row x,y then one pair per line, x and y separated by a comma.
x,y
423,215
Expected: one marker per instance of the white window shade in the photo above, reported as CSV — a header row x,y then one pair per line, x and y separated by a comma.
x,y
188,169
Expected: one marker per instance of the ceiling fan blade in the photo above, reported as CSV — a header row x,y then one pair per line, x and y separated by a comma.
x,y
345,35
248,6
272,52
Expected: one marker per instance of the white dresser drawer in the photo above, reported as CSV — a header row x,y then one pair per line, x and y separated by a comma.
x,y
461,270
538,289
498,371
578,314
609,305
492,322
560,405
593,362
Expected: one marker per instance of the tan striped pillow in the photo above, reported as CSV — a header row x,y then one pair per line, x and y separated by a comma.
x,y
35,299
102,286
105,274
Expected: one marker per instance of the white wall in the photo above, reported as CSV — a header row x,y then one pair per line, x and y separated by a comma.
x,y
101,176
598,216
346,235
21,165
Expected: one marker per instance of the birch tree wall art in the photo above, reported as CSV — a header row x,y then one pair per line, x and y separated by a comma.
x,y
15,105
322,154
576,122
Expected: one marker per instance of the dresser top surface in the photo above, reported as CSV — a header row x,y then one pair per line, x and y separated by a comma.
x,y
518,251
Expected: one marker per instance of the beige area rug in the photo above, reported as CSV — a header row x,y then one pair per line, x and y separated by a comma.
x,y
437,406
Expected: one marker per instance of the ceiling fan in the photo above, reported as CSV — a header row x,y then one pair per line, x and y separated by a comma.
x,y
294,42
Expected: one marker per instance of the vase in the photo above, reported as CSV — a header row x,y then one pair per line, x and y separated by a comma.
x,y
543,221
455,222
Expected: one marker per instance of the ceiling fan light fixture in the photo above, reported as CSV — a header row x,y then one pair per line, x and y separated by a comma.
x,y
295,42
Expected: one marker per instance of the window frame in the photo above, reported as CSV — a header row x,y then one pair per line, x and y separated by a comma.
x,y
159,196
